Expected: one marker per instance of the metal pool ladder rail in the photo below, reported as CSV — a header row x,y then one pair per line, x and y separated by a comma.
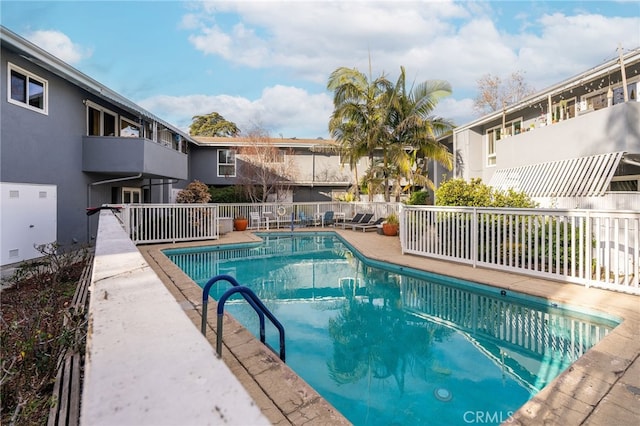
x,y
251,298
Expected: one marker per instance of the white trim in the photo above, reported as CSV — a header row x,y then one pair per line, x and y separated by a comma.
x,y
29,75
103,110
131,190
218,164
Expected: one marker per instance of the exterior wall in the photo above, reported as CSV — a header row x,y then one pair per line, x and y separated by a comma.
x,y
470,155
610,129
607,130
311,168
320,167
48,150
203,166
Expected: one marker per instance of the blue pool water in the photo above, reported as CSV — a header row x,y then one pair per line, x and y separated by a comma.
x,y
394,346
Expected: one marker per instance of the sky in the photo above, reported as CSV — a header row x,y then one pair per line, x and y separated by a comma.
x,y
265,64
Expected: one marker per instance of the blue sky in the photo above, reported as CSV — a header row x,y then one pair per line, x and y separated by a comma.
x,y
266,63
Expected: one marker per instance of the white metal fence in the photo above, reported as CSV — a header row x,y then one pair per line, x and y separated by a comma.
x,y
590,247
158,223
285,214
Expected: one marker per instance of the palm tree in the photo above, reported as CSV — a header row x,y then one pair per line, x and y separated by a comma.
x,y
413,131
358,117
372,115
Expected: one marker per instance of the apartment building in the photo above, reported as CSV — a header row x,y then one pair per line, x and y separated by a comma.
x,y
68,144
574,144
313,169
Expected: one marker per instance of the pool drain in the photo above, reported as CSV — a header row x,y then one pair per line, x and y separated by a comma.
x,y
442,394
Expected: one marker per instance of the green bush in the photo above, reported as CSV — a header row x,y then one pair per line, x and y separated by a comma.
x,y
458,192
418,198
228,194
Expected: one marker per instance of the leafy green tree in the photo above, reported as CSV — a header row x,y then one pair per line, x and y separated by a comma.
x,y
213,125
228,194
418,198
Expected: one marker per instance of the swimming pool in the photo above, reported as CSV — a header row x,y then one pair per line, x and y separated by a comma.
x,y
390,345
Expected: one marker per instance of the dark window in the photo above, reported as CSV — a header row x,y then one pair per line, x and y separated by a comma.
x,y
27,90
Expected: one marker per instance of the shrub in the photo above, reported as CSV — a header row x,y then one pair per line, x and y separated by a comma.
x,y
34,333
458,192
228,194
195,192
418,198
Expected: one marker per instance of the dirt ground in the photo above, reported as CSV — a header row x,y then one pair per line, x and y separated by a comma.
x,y
32,339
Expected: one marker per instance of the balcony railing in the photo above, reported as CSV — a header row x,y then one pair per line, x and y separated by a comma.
x,y
118,155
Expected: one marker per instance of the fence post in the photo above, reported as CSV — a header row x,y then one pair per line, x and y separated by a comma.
x,y
474,237
587,264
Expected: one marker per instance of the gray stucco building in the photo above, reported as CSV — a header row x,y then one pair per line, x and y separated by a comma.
x,y
577,141
86,144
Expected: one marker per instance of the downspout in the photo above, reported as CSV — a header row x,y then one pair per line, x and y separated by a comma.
x,y
102,182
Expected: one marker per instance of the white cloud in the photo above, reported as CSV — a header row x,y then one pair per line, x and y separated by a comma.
x,y
458,42
277,109
60,45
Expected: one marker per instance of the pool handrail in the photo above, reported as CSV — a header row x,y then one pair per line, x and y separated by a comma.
x,y
205,303
246,290
255,303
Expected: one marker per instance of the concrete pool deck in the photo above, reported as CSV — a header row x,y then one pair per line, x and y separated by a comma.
x,y
602,387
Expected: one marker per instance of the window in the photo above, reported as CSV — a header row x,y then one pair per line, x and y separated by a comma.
x,y
625,183
226,163
27,90
492,136
131,195
564,109
100,121
129,129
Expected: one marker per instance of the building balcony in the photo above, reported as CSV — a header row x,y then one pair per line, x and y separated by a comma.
x,y
612,129
123,156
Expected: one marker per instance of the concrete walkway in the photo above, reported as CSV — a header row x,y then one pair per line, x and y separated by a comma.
x,y
601,388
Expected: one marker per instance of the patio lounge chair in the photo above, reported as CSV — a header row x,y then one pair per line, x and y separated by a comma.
x,y
366,218
356,219
368,226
